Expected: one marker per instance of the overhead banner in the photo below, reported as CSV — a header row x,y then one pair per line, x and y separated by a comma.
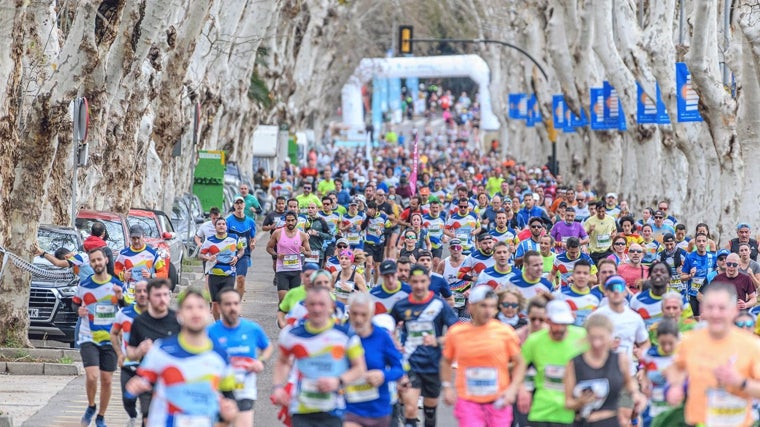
x,y
518,106
687,99
648,110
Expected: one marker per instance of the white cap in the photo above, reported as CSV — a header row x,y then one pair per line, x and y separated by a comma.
x,y
479,293
385,321
613,195
559,312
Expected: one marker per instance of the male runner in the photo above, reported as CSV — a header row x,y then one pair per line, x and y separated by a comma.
x,y
287,244
242,226
138,262
220,253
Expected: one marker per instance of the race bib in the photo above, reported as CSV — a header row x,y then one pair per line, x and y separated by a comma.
x,y
310,397
105,314
459,300
416,330
481,381
292,262
603,239
181,420
314,257
435,230
725,409
463,237
554,376
343,288
658,404
676,285
696,283
361,391
353,238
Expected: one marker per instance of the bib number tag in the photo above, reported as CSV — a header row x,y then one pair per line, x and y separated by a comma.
x,y
603,239
361,391
292,262
658,403
459,300
353,238
312,398
417,330
696,283
725,409
554,376
463,237
181,420
481,381
314,257
104,314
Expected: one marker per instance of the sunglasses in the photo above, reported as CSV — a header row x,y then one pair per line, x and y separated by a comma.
x,y
745,323
536,226
616,288
619,243
537,319
635,251
663,209
657,217
341,246
456,247
307,188
732,264
411,237
510,305
721,258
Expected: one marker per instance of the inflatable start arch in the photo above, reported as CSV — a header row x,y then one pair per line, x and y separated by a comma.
x,y
472,66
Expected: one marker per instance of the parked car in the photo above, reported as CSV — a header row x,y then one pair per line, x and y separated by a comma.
x,y
52,314
196,208
160,234
185,224
117,228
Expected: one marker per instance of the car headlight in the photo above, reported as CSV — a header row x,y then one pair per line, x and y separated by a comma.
x,y
68,291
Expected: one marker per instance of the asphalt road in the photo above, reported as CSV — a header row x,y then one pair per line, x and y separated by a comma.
x,y
259,305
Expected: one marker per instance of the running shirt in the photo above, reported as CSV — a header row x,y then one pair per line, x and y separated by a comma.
x,y
318,353
380,353
582,302
290,249
80,264
439,286
463,226
427,317
704,265
675,261
333,220
629,329
354,232
385,299
482,354
565,266
187,382
375,229
508,235
434,226
475,263
241,344
654,364
457,286
124,319
649,307
650,251
550,357
281,188
244,229
225,249
529,288
527,245
600,238
206,230
332,264
100,300
137,260
344,287
494,278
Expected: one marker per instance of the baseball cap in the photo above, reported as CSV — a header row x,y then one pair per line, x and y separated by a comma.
x,y
310,266
484,236
423,253
353,202
360,198
723,252
455,242
341,240
388,267
742,225
559,312
434,199
239,198
481,292
136,231
668,237
615,283
659,213
424,190
613,195
384,321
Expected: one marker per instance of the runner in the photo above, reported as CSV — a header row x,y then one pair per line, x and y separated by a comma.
x,y
424,316
566,229
296,295
655,364
98,301
581,298
158,321
244,228
138,262
600,228
288,244
347,281
483,351
435,223
351,226
549,350
479,259
564,264
368,400
326,356
375,225
530,281
449,269
438,284
464,224
391,290
248,349
720,381
536,227
497,276
220,253
120,331
187,372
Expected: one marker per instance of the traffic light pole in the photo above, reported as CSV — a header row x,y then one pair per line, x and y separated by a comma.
x,y
407,37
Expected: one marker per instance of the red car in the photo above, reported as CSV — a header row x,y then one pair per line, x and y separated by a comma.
x,y
159,233
117,230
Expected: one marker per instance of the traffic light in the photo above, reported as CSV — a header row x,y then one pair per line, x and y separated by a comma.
x,y
405,35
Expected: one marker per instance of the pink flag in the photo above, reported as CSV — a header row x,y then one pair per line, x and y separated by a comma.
x,y
415,162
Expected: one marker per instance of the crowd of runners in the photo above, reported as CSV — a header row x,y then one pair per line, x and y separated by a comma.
x,y
500,289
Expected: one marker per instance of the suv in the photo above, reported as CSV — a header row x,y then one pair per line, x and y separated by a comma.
x,y
159,233
51,311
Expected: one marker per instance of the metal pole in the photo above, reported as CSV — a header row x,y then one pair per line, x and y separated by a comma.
x,y
368,149
681,19
74,174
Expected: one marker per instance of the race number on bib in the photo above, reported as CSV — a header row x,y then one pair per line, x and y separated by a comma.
x,y
417,330
481,381
725,409
361,391
554,377
314,257
353,238
104,314
181,420
459,300
292,262
603,239
310,397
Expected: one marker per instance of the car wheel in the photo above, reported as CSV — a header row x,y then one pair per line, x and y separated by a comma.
x,y
173,276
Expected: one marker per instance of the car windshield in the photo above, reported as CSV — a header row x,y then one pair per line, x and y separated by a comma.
x,y
114,231
147,223
50,240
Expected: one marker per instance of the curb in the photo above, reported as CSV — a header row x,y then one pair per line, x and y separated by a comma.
x,y
41,368
40,353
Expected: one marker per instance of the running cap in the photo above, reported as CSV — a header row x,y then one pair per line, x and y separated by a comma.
x,y
388,267
615,283
480,293
239,199
742,225
136,231
310,266
455,242
559,312
668,237
723,252
384,321
613,195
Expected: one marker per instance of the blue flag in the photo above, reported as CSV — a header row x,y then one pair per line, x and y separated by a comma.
x,y
518,106
687,99
649,110
597,109
614,117
534,113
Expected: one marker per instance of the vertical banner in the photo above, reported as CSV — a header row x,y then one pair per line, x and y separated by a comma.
x,y
614,117
649,110
518,106
561,114
597,109
377,109
415,163
413,89
533,113
394,99
578,121
383,93
687,99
